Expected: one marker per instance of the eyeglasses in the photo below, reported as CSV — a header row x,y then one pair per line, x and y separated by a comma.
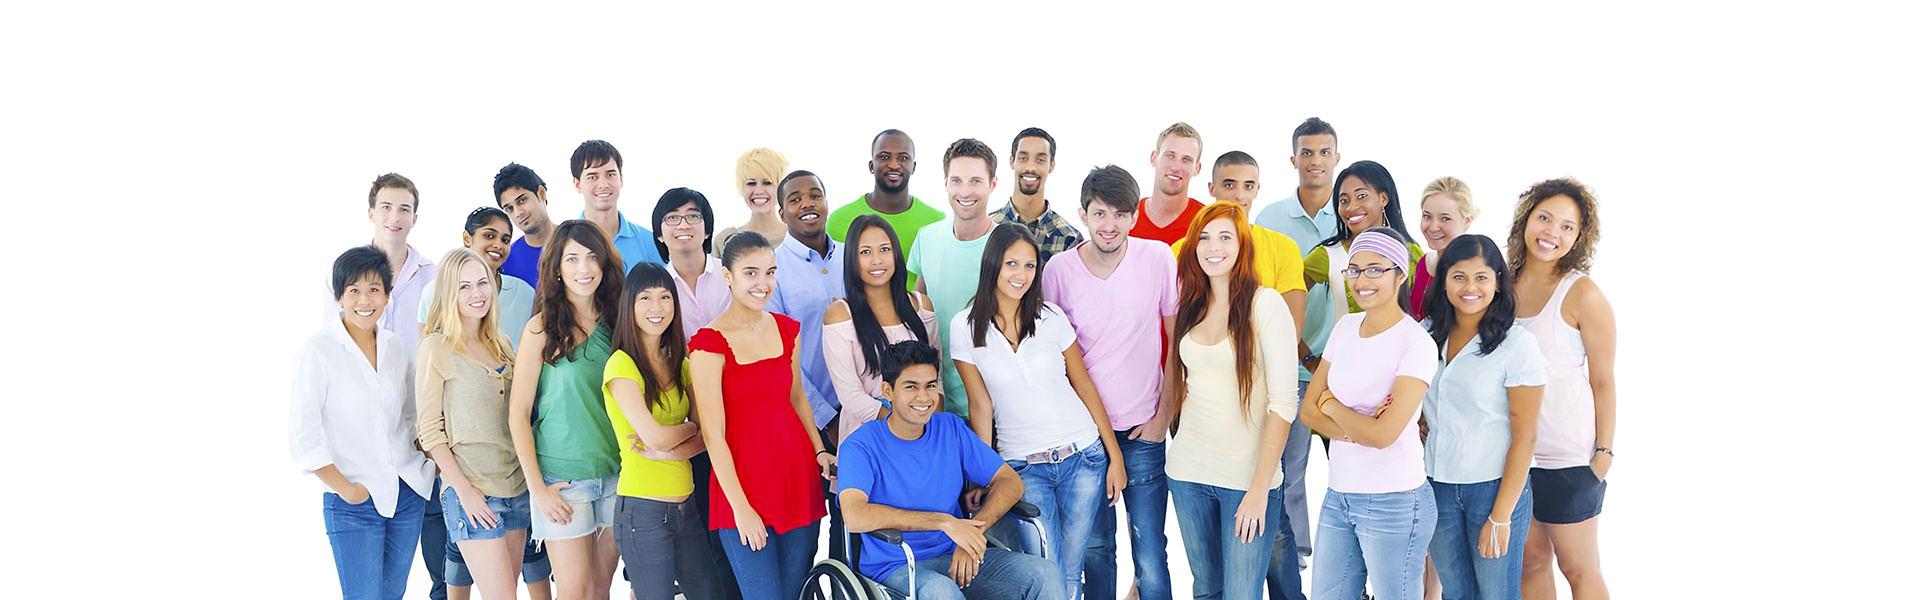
x,y
1370,272
678,220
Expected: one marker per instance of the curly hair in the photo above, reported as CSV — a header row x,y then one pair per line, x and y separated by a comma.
x,y
1580,256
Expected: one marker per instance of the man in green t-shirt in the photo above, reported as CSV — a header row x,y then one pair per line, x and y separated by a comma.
x,y
892,167
947,254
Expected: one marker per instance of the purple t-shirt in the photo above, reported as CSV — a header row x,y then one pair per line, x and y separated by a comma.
x,y
1361,377
1117,321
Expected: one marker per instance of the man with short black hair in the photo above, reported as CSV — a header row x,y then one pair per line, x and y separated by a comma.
x,y
892,164
1031,160
523,196
598,177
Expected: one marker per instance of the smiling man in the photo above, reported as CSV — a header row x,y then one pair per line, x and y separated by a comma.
x,y
1031,160
684,219
810,278
523,196
892,163
947,254
1165,214
391,211
598,177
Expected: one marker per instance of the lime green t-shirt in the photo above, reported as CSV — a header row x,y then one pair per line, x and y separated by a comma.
x,y
906,225
642,477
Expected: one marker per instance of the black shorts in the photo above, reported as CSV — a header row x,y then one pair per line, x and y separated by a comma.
x,y
1566,496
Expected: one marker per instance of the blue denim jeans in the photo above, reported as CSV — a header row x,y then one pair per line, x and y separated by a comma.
x,y
1004,574
777,570
1463,511
1223,566
1283,570
371,553
1146,498
1378,539
1069,494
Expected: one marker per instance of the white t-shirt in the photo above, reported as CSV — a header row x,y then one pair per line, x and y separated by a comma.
x,y
1034,405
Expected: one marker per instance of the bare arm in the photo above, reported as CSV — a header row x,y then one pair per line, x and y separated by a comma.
x,y
707,368
1523,418
864,516
798,396
1297,306
1593,315
526,383
1310,405
979,404
1155,430
1083,385
632,400
1382,430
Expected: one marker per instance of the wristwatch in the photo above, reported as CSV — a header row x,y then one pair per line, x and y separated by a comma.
x,y
1310,357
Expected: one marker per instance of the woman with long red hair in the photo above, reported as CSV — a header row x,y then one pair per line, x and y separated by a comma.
x,y
1234,353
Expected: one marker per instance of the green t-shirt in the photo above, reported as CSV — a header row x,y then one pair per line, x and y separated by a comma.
x,y
906,225
642,477
570,427
952,271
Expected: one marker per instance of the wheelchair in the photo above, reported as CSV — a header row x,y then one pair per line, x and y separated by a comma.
x,y
831,579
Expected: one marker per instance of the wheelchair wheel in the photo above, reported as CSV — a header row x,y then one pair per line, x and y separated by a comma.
x,y
831,580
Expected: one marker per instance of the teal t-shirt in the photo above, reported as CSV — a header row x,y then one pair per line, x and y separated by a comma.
x,y
951,269
571,433
906,225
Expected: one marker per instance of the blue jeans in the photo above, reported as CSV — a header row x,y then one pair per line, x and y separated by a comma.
x,y
1146,497
778,570
1068,493
1223,566
1463,511
371,553
1283,570
1004,574
1378,539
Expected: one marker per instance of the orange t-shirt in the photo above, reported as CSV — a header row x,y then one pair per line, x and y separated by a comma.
x,y
1170,233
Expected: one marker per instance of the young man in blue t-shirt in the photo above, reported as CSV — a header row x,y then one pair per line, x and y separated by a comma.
x,y
907,474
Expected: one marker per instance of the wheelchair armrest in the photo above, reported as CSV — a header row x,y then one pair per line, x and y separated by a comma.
x,y
890,536
1024,510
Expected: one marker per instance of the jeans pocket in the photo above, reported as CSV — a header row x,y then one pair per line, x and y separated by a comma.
x,y
1018,466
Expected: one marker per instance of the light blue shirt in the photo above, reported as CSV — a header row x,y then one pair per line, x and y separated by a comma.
x,y
808,282
516,307
1468,430
634,243
1290,219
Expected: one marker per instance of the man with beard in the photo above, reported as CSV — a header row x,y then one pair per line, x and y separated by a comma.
x,y
1031,161
523,196
892,167
1164,216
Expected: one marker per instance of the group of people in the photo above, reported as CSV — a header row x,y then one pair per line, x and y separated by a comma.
x,y
593,391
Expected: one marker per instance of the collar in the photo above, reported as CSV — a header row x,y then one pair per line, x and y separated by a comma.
x,y
1293,208
1013,214
336,330
713,268
793,245
627,228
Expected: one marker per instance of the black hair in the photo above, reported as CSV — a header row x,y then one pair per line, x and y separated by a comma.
x,y
1113,186
1381,182
1052,151
484,215
516,175
1405,294
980,312
877,136
866,326
1313,126
593,153
780,191
1499,316
739,244
358,262
974,148
627,337
675,199
905,354
1233,158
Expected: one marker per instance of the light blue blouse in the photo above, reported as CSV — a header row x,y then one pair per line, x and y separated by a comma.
x,y
1468,431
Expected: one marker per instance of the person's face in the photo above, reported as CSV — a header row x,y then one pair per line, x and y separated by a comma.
x,y
527,208
1315,159
392,215
1217,248
491,241
892,164
759,195
1441,221
653,311
363,302
804,207
1108,225
1552,228
1373,292
1238,184
969,183
599,185
1471,285
915,395
752,278
683,229
579,269
475,293
1360,206
876,257
1031,163
1016,271
1174,163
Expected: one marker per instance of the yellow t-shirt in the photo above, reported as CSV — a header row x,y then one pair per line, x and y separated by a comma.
x,y
642,477
1276,260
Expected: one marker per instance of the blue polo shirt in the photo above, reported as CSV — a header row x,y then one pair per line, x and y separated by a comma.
x,y
634,243
924,475
1291,220
808,282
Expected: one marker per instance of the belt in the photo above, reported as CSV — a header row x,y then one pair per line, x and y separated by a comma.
x,y
1052,455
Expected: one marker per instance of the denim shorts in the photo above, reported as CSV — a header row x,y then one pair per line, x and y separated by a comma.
x,y
593,500
1567,496
512,513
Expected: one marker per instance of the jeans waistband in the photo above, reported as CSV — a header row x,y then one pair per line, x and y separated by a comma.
x,y
1053,455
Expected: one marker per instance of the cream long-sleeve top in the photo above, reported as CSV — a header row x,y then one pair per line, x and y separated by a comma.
x,y
1219,443
463,404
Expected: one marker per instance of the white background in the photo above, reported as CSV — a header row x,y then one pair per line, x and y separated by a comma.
x,y
182,174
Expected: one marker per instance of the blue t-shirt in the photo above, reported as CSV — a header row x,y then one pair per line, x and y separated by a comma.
x,y
923,475
523,261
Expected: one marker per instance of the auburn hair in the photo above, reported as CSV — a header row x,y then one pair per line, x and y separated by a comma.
x,y
1196,294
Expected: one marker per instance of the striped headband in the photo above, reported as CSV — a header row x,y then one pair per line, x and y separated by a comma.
x,y
1381,244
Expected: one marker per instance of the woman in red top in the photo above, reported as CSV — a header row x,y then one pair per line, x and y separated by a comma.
x,y
767,459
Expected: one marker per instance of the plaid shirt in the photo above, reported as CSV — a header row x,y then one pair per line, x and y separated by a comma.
x,y
1056,235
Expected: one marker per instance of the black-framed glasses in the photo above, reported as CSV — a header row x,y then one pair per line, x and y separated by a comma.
x,y
1370,272
678,220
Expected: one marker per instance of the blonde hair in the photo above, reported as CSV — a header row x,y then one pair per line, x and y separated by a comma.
x,y
758,163
443,313
1181,129
1452,186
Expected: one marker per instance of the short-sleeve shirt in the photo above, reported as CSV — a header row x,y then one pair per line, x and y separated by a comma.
x,y
1361,377
1468,430
1276,260
1035,406
515,306
1290,219
951,270
1053,232
1144,227
1118,321
924,475
642,477
906,224
523,261
634,243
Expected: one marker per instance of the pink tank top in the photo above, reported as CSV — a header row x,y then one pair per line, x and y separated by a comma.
x,y
1566,411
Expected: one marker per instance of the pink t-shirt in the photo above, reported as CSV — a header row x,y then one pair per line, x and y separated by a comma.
x,y
1118,323
1361,377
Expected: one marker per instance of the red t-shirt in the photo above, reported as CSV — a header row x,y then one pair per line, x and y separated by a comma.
x,y
772,454
1172,232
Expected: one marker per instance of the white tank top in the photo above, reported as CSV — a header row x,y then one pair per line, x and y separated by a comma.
x,y
1566,434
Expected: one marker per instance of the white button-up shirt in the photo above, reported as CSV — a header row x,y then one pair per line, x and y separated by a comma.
x,y
347,414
